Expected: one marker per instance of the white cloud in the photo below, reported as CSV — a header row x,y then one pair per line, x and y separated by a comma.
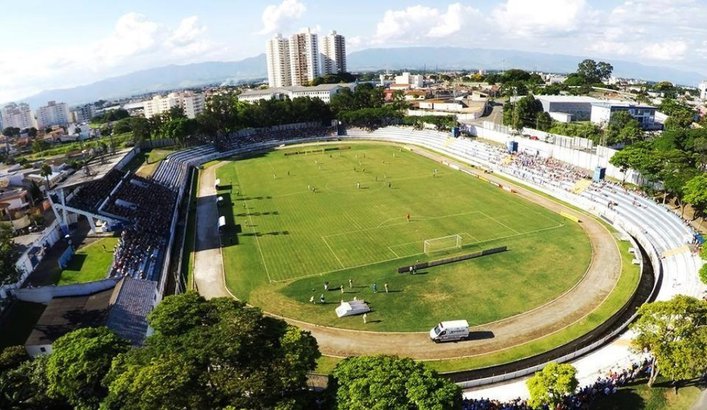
x,y
666,50
451,22
280,16
133,34
540,17
421,22
135,42
187,32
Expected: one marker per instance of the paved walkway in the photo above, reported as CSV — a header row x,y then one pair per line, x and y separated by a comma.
x,y
208,262
569,308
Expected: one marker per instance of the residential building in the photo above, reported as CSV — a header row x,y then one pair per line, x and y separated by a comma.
x,y
277,55
192,104
602,112
408,81
703,90
304,58
18,116
334,54
323,91
53,114
83,113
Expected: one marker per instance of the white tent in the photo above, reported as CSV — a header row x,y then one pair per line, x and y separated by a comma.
x,y
221,222
354,307
217,183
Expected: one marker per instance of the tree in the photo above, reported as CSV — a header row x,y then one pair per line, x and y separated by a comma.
x,y
525,112
39,145
594,72
122,126
543,121
695,193
79,362
703,273
8,257
141,129
623,129
32,132
211,354
46,172
11,132
23,385
675,332
389,382
552,384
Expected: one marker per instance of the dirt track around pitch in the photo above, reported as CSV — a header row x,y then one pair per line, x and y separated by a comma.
x,y
599,280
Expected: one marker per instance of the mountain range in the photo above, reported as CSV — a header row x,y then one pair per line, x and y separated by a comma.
x,y
430,58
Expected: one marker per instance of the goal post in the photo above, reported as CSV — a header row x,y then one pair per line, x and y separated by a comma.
x,y
443,243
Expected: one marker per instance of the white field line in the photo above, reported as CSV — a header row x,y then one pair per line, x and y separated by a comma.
x,y
332,251
499,222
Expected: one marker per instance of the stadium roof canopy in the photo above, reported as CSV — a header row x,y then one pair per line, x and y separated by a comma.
x,y
97,169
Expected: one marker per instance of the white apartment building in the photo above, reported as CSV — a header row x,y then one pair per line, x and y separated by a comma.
x,y
83,113
277,54
18,116
407,80
703,90
334,54
304,58
192,104
53,114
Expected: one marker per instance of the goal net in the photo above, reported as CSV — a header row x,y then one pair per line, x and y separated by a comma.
x,y
444,243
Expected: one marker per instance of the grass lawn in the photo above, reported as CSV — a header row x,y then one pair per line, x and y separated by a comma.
x,y
289,240
640,396
154,157
89,263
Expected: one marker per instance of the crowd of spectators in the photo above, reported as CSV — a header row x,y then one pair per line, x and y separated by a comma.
x,y
542,170
582,399
90,196
148,207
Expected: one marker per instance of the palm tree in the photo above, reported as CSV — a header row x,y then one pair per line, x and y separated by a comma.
x,y
46,171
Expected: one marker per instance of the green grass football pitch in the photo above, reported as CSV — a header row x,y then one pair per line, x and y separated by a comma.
x,y
326,216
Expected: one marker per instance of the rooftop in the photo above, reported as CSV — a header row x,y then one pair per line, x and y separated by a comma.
x,y
622,104
567,98
299,88
122,308
66,314
97,169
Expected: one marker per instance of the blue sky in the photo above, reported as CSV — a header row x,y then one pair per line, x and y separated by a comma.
x,y
49,44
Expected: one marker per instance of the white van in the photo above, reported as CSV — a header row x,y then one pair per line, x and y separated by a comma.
x,y
452,330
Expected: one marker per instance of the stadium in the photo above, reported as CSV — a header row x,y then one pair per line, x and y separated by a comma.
x,y
419,225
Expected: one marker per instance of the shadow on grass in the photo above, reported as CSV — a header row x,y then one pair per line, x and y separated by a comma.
x,y
76,262
622,399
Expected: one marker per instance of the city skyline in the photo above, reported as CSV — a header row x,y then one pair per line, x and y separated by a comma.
x,y
105,40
